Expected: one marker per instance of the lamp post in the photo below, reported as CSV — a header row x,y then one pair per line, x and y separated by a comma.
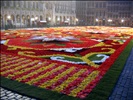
x,y
77,20
122,21
68,20
8,21
109,20
97,20
36,20
58,20
103,22
32,21
49,20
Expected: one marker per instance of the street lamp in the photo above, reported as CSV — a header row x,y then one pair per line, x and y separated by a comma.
x,y
97,20
32,20
77,20
58,19
36,18
8,21
68,19
109,20
9,17
49,18
122,20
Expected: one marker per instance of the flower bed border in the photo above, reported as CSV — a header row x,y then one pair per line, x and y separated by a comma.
x,y
105,87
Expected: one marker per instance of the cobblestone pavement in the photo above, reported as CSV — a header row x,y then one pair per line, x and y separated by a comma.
x,y
9,95
124,87
122,91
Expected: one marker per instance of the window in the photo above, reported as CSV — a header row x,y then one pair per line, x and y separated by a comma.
x,y
28,4
24,4
21,4
33,5
7,3
18,3
37,5
14,3
2,3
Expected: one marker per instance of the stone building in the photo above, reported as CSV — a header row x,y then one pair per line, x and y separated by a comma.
x,y
115,13
28,13
64,12
119,12
22,13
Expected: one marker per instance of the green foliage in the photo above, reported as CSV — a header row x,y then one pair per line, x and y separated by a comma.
x,y
94,57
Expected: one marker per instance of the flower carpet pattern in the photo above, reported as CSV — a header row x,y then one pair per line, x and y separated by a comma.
x,y
68,60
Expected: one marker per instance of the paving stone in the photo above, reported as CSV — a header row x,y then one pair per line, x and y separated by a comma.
x,y
8,92
119,91
2,94
4,98
9,95
124,86
129,98
33,99
13,99
116,99
123,98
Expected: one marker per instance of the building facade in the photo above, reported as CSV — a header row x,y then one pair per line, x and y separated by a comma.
x,y
61,12
91,12
22,13
119,12
115,13
28,13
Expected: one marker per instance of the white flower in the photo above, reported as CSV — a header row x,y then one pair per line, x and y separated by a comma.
x,y
102,60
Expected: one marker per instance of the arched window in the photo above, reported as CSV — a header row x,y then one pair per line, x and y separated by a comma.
x,y
12,18
18,19
23,19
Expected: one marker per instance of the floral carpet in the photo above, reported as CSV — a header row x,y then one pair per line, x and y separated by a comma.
x,y
68,60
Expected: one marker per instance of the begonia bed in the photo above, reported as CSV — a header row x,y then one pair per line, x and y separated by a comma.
x,y
62,62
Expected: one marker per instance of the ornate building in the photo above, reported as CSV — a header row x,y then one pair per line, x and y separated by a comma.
x,y
116,13
91,12
22,13
28,13
64,12
119,12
